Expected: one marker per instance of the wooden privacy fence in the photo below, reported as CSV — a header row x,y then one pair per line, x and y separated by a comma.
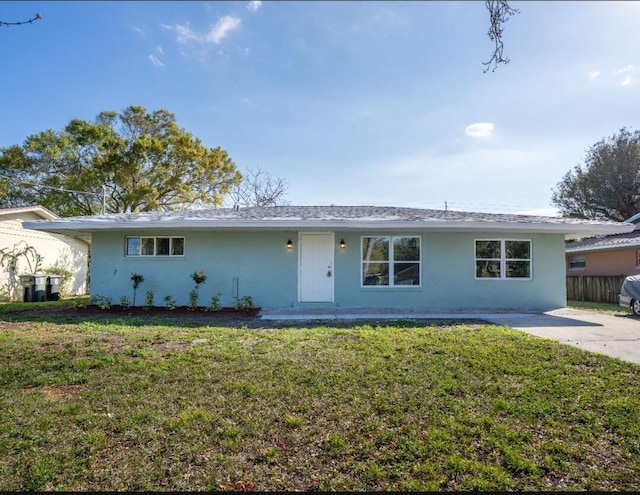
x,y
594,288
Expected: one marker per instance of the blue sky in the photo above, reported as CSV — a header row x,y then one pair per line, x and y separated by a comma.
x,y
371,103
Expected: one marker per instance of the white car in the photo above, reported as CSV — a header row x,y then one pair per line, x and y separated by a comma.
x,y
629,296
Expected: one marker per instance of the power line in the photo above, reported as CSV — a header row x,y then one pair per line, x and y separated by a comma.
x,y
61,189
48,187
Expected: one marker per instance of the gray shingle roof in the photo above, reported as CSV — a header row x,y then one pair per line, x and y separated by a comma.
x,y
330,218
627,239
368,213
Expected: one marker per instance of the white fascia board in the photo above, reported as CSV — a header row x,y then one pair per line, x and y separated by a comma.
x,y
570,230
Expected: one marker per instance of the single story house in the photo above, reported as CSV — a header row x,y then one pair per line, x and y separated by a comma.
x,y
606,255
300,257
22,245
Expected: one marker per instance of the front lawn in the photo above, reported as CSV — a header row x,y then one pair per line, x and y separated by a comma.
x,y
140,404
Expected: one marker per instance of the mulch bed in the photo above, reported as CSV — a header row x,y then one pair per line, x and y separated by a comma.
x,y
225,317
162,311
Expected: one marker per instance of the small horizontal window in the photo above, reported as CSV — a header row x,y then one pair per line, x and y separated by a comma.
x,y
577,263
154,246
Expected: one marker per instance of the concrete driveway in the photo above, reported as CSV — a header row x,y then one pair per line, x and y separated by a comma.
x,y
615,336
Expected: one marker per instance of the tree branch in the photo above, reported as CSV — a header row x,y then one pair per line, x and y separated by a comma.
x,y
499,13
20,23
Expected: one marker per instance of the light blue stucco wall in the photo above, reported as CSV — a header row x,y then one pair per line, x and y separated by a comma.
x,y
448,276
268,272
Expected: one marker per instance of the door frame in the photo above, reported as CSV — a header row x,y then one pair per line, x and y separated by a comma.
x,y
331,253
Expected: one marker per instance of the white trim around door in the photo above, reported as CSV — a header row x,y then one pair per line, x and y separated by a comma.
x,y
316,267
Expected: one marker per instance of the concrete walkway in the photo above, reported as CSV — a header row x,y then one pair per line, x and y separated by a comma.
x,y
615,336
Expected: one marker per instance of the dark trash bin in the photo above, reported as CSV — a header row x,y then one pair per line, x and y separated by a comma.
x,y
39,288
53,287
26,281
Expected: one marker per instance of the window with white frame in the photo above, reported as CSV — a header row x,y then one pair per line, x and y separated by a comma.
x,y
503,258
391,261
577,262
154,246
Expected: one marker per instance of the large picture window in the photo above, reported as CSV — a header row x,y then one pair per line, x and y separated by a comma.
x,y
503,258
391,261
154,246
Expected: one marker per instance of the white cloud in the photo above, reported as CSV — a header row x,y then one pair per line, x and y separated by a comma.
x,y
160,51
624,70
184,32
624,75
479,129
139,31
594,74
254,5
155,61
221,28
626,81
216,34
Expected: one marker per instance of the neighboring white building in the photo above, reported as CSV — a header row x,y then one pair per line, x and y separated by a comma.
x,y
21,244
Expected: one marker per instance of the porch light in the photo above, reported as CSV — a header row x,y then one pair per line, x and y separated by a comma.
x,y
342,244
289,244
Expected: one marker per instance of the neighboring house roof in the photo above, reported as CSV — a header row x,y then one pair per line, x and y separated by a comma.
x,y
616,241
334,218
37,209
613,241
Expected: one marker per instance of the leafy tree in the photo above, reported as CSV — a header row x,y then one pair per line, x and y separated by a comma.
x,y
608,186
131,161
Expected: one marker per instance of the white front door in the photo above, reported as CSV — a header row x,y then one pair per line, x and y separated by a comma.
x,y
315,279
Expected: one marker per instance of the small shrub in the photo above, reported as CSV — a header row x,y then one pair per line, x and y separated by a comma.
x,y
103,302
215,304
148,299
170,302
137,279
193,299
244,303
124,302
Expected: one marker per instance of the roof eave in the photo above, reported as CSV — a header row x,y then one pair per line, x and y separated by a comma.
x,y
571,231
606,247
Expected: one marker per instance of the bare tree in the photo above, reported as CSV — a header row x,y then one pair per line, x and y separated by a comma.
x,y
20,23
259,188
499,13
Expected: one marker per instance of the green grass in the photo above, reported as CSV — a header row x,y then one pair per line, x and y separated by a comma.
x,y
613,309
19,307
140,405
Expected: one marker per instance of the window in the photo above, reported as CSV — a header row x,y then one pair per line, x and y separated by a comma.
x,y
577,263
391,261
154,246
638,258
501,258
